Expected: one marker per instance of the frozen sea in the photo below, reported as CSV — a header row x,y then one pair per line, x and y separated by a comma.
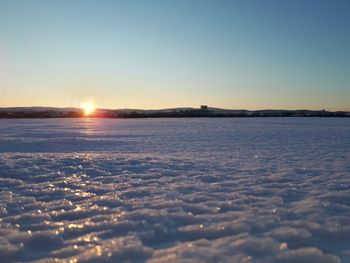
x,y
175,190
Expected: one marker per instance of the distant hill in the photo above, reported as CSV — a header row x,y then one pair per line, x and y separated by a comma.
x,y
35,109
52,112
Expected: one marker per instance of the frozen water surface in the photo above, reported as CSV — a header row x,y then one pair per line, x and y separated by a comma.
x,y
175,190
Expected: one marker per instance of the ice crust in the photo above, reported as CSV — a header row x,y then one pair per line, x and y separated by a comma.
x,y
175,190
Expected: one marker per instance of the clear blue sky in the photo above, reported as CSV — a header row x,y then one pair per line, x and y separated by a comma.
x,y
157,54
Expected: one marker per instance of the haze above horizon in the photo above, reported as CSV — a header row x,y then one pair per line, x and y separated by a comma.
x,y
162,54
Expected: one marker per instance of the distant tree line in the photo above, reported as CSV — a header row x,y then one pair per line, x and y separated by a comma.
x,y
190,113
39,114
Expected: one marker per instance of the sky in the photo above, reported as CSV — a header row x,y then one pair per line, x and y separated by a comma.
x,y
237,54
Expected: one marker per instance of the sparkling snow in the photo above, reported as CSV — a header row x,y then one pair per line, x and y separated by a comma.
x,y
175,190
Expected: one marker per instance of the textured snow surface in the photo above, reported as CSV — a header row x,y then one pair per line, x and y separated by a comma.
x,y
175,190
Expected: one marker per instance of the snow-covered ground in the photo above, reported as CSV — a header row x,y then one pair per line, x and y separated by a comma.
x,y
175,190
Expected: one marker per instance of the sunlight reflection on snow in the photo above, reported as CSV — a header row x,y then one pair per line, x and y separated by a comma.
x,y
272,190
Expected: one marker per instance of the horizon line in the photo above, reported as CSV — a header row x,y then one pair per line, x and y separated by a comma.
x,y
179,107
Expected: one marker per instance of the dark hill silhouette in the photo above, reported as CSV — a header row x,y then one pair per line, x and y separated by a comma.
x,y
51,112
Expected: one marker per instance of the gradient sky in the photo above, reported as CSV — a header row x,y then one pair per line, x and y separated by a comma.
x,y
158,54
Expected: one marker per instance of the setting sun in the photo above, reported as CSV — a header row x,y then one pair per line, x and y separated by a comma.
x,y
88,108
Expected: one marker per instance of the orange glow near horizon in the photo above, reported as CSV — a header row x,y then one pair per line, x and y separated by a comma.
x,y
88,108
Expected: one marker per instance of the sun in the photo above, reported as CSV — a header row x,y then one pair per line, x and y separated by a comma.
x,y
88,108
